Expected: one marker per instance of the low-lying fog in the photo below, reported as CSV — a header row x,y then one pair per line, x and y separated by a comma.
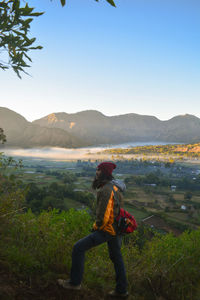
x,y
70,154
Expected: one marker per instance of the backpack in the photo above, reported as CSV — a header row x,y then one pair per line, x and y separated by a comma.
x,y
126,223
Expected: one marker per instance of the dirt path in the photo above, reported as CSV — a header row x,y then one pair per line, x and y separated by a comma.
x,y
12,288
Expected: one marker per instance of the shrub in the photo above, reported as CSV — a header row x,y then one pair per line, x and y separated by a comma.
x,y
170,266
157,265
44,242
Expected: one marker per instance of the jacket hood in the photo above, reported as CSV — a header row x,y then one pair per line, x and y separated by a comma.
x,y
120,184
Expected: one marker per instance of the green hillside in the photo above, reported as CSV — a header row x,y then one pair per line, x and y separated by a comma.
x,y
35,250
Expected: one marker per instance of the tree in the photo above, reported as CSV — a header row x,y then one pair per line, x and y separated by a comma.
x,y
188,195
15,20
152,178
2,136
171,199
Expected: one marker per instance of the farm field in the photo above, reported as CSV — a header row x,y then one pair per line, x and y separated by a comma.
x,y
138,214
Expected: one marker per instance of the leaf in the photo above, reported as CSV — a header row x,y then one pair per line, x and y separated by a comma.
x,y
27,21
27,56
25,11
39,47
111,2
15,69
63,2
34,48
16,5
36,14
17,32
28,42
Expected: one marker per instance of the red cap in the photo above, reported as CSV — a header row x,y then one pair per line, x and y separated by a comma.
x,y
106,167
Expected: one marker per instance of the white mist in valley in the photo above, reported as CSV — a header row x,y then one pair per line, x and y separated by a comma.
x,y
53,153
56,153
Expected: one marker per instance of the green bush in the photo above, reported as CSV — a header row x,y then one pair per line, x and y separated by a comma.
x,y
157,266
44,242
170,266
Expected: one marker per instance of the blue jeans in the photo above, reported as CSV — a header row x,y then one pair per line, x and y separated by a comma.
x,y
94,239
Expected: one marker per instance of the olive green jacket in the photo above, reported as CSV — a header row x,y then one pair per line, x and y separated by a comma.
x,y
107,208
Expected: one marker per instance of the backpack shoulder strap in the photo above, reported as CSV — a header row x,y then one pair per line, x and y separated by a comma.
x,y
115,195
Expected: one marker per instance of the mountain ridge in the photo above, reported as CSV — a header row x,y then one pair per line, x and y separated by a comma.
x,y
100,129
91,127
21,133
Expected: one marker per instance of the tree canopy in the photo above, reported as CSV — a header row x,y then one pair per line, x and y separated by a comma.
x,y
15,22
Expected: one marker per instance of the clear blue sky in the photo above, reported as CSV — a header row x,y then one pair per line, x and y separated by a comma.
x,y
141,57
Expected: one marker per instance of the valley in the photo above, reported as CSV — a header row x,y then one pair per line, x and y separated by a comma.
x,y
164,195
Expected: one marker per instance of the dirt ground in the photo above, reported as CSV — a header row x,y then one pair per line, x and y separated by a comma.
x,y
157,222
12,288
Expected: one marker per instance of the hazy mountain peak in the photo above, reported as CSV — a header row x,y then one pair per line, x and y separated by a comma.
x,y
21,133
8,113
90,113
52,118
184,117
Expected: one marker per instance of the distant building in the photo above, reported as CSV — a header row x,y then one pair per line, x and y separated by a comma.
x,y
183,207
173,188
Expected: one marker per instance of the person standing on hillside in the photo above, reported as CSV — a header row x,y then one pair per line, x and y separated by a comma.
x,y
104,230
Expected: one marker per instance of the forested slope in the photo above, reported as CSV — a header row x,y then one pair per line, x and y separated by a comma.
x,y
35,250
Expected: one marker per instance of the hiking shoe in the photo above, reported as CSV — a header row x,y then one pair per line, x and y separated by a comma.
x,y
117,294
67,285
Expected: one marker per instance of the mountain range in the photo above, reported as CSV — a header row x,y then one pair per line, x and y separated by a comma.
x,y
90,127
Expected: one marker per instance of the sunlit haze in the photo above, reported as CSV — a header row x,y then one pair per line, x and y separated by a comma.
x,y
56,153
